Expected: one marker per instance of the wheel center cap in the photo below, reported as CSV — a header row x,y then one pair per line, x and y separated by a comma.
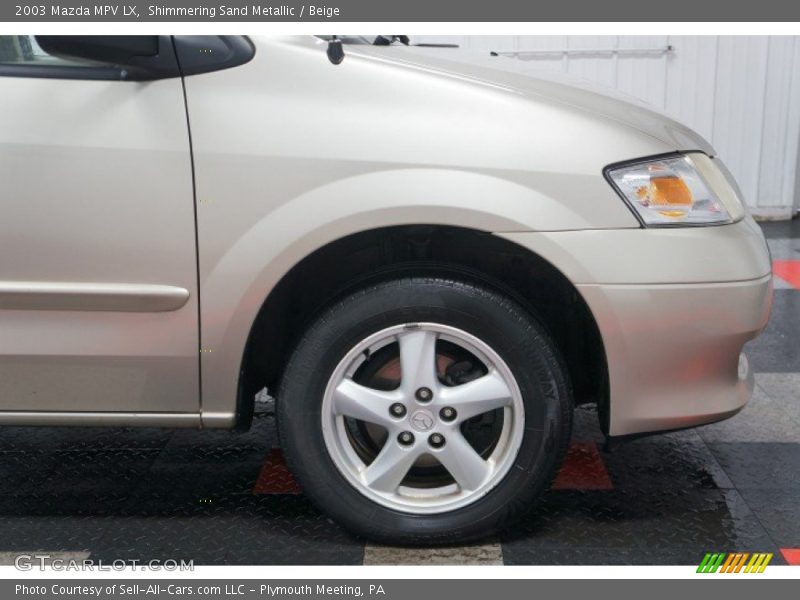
x,y
422,420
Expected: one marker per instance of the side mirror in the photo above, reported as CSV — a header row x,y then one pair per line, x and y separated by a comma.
x,y
139,57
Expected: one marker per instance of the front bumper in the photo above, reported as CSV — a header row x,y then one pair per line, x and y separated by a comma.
x,y
673,340
674,351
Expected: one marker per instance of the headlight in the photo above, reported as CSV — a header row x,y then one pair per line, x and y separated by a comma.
x,y
686,189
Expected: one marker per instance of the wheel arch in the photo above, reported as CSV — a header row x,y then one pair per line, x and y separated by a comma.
x,y
352,261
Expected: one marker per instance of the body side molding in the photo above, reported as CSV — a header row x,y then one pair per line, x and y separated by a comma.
x,y
115,297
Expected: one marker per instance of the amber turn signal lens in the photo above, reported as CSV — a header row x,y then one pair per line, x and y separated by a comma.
x,y
666,191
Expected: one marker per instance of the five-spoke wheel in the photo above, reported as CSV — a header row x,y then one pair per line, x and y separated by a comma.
x,y
424,418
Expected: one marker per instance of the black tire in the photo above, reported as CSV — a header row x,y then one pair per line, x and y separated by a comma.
x,y
492,317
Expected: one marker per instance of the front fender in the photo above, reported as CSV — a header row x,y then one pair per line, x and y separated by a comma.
x,y
237,277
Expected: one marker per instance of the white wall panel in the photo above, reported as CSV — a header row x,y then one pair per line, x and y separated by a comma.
x,y
774,189
691,84
739,108
740,92
643,75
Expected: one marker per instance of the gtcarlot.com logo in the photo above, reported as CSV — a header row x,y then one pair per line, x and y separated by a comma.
x,y
735,562
42,562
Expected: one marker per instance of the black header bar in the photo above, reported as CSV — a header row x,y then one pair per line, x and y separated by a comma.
x,y
209,11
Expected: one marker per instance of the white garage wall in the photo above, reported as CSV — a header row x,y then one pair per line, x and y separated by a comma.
x,y
740,92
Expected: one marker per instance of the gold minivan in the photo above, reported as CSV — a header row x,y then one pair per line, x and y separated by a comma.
x,y
427,264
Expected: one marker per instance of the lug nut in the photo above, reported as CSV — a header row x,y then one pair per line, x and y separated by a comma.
x,y
448,413
424,394
436,440
406,438
397,410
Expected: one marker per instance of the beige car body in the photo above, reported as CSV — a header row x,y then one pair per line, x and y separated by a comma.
x,y
125,302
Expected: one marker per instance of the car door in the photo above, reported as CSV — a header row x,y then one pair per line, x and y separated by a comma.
x,y
98,271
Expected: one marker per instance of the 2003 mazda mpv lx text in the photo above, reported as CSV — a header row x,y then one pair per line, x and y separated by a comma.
x,y
427,264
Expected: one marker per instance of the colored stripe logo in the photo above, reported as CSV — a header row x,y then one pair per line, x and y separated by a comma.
x,y
735,562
